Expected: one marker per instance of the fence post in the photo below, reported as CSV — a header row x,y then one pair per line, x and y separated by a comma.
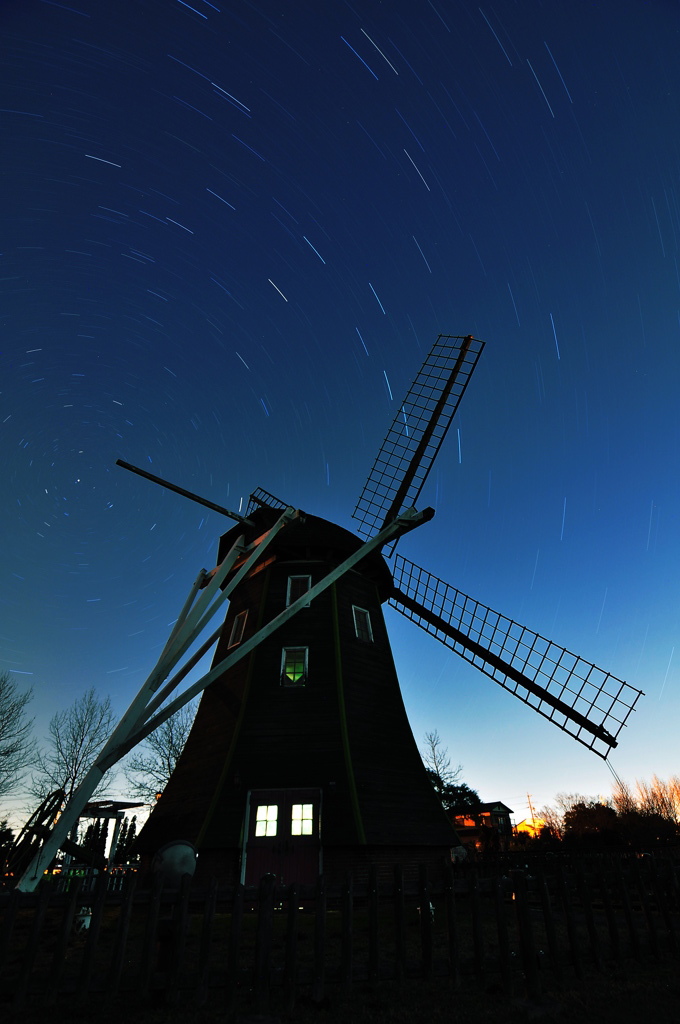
x,y
87,966
151,933
627,910
122,933
32,945
502,929
549,923
319,941
399,923
373,924
52,986
452,933
587,904
569,919
526,935
263,943
426,911
206,944
477,936
179,927
290,973
231,977
612,925
347,911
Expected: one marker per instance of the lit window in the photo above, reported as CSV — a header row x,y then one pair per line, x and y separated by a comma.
x,y
362,624
302,820
297,586
238,625
265,820
294,666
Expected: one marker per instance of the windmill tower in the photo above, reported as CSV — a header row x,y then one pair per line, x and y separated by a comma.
x,y
301,758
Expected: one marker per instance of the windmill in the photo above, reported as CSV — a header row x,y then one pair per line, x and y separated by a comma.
x,y
301,757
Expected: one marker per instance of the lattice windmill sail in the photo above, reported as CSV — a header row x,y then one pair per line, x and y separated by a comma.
x,y
301,755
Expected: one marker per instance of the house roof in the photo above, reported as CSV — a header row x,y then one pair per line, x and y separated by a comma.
x,y
470,812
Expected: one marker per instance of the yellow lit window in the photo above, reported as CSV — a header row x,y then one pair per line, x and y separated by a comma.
x,y
265,820
294,666
302,820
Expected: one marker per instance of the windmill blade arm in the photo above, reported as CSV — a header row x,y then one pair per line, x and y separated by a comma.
x,y
476,652
417,433
588,703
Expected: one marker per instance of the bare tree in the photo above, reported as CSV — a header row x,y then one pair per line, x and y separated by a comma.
x,y
437,761
444,778
75,737
17,747
150,766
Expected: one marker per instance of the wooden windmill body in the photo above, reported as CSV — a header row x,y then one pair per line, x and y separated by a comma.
x,y
301,758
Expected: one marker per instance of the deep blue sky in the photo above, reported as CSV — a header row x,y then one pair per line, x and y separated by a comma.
x,y
231,232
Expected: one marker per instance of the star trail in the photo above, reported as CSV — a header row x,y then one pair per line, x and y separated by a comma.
x,y
230,235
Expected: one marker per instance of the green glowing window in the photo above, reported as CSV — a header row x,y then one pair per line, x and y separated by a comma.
x,y
238,625
362,624
297,586
294,666
265,820
302,820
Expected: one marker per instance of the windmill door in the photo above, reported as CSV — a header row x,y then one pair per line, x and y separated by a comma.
x,y
283,835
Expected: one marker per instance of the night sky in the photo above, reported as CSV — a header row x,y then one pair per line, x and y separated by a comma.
x,y
230,234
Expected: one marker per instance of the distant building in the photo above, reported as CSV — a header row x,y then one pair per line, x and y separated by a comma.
x,y
486,829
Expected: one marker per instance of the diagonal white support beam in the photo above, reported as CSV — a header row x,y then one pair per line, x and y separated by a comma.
x,y
137,712
139,720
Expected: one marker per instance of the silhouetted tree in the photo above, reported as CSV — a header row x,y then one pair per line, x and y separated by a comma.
x,y
17,746
444,778
75,737
149,767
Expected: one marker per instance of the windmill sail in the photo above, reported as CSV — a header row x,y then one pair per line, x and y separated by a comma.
x,y
417,433
260,498
585,701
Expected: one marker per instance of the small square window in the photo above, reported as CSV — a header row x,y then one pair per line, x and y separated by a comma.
x,y
302,820
266,819
297,586
362,624
237,627
294,666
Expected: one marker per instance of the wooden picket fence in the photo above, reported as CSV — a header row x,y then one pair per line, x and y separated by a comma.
x,y
265,948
